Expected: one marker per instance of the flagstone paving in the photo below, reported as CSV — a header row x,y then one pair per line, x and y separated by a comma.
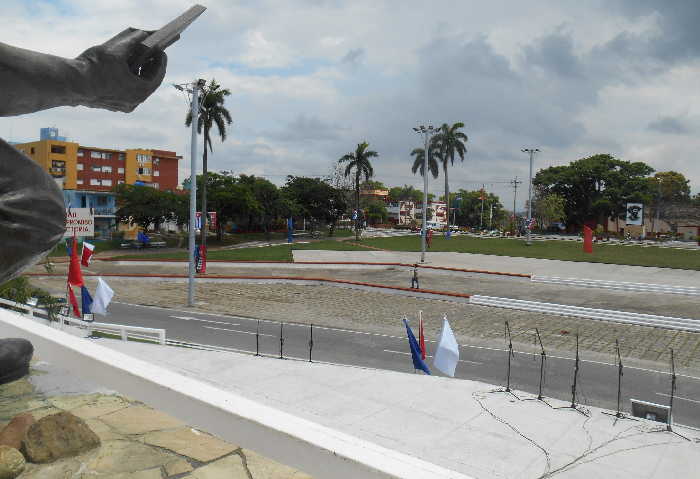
x,y
137,442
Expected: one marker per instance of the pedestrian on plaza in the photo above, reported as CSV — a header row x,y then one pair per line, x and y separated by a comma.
x,y
414,279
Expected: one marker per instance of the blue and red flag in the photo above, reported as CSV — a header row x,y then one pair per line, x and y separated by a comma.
x,y
416,354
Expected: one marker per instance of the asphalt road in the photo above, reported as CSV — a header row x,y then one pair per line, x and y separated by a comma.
x,y
597,381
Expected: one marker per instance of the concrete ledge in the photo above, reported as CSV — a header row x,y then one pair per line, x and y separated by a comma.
x,y
316,449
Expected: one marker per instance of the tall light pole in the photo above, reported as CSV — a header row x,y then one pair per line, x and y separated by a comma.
x,y
531,152
193,89
426,131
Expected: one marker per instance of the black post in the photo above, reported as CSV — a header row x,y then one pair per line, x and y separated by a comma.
x,y
311,340
543,358
576,366
510,355
257,340
281,340
673,392
619,379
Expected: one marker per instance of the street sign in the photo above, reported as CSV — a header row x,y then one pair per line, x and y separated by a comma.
x,y
635,214
79,222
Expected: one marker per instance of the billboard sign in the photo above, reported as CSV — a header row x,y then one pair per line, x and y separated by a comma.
x,y
79,222
635,213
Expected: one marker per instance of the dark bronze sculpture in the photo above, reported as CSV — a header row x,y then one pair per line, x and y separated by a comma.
x,y
32,212
117,75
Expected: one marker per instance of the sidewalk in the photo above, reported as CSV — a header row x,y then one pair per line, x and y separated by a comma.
x,y
458,424
509,264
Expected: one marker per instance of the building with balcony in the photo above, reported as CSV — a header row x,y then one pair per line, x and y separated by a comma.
x,y
401,212
88,175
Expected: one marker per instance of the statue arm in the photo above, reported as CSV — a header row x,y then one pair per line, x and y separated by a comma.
x,y
99,78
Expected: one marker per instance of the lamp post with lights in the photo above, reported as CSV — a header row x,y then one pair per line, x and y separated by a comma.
x,y
531,152
426,131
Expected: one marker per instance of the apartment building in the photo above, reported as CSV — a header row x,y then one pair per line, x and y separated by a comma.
x,y
88,174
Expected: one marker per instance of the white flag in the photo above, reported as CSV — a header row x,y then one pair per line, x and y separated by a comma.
x,y
103,296
447,353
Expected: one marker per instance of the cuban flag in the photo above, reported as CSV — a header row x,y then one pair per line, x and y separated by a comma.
x,y
88,250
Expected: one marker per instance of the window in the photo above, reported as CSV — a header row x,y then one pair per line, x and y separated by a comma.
x,y
100,155
144,171
156,173
140,158
81,153
58,164
96,168
95,182
122,156
156,161
95,154
106,182
120,171
106,169
120,182
58,149
80,182
80,167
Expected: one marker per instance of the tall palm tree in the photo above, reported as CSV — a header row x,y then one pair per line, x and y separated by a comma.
x,y
359,161
212,113
450,142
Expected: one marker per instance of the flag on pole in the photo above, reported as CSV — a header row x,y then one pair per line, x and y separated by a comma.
x,y
75,276
86,299
88,250
73,301
587,239
418,363
421,336
447,352
103,296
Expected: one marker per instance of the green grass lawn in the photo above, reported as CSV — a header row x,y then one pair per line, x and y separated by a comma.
x,y
561,250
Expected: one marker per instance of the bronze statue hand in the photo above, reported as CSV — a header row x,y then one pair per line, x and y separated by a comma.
x,y
107,79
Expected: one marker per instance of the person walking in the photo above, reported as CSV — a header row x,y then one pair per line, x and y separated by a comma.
x,y
414,279
429,238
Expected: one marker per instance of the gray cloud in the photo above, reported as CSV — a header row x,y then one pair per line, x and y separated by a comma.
x,y
306,128
667,124
353,56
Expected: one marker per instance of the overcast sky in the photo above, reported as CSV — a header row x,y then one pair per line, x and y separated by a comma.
x,y
310,79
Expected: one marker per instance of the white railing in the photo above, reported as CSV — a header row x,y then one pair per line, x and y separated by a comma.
x,y
619,285
666,322
323,452
122,330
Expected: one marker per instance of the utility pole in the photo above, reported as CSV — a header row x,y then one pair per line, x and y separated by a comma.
x,y
426,131
481,217
491,218
515,184
531,152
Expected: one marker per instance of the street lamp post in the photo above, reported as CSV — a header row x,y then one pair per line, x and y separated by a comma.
x,y
193,89
531,152
426,131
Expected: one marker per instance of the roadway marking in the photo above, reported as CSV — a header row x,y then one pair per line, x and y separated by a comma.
x,y
189,318
239,331
429,356
678,397
402,338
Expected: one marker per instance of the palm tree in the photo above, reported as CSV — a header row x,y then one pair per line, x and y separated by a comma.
x,y
359,161
449,142
212,113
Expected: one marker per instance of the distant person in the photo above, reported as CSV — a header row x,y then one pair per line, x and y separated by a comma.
x,y
414,279
429,237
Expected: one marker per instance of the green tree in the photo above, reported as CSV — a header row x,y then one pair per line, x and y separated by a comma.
x,y
450,142
315,199
405,193
360,162
144,205
375,211
372,185
469,212
419,161
549,209
597,187
212,114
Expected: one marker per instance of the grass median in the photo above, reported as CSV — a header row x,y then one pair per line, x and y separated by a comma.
x,y
554,249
